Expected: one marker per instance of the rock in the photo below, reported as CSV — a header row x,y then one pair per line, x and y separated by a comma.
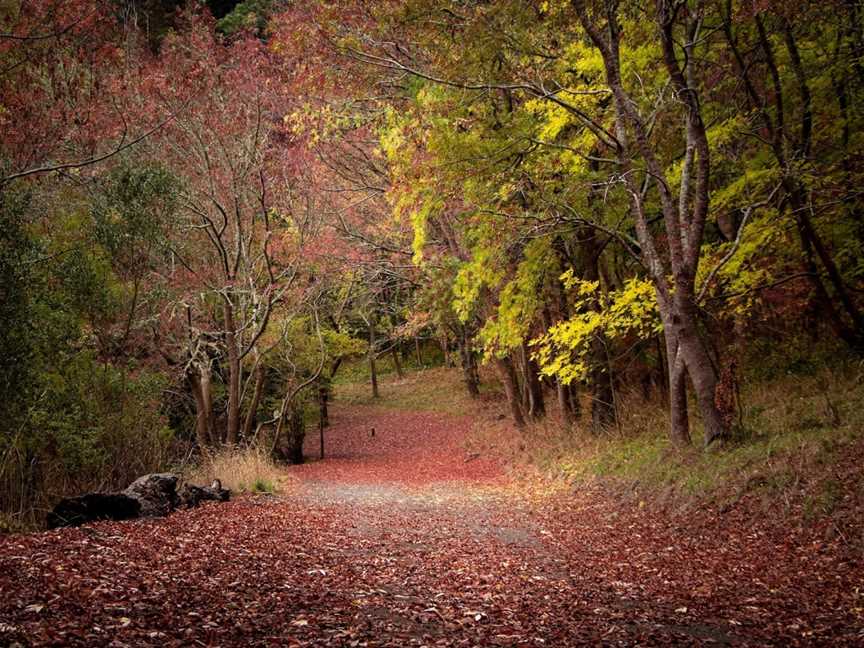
x,y
156,493
75,511
191,495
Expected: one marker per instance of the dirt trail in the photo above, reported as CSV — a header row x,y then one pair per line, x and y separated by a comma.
x,y
404,539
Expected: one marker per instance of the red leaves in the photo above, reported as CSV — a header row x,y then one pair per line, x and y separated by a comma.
x,y
398,541
409,448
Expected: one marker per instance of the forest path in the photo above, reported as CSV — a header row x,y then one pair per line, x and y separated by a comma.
x,y
405,539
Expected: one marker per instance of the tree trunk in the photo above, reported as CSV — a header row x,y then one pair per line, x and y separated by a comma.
x,y
565,403
531,372
700,369
602,393
296,435
469,365
511,389
445,348
199,381
662,370
575,399
249,422
321,437
373,371
417,352
396,362
810,242
569,414
234,370
679,421
600,375
684,215
323,398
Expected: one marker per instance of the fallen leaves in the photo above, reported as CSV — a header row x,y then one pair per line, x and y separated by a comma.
x,y
398,541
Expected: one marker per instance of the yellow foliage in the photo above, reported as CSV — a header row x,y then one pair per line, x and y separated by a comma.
x,y
563,352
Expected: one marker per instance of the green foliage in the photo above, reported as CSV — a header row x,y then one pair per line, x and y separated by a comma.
x,y
17,248
75,416
131,211
93,415
249,15
92,426
263,486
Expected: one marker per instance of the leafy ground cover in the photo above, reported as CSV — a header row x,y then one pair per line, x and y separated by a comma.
x,y
410,538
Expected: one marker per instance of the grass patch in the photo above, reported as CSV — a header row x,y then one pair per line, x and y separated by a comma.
x,y
241,470
263,486
356,370
428,390
795,432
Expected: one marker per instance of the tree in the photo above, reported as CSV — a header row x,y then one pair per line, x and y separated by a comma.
x,y
245,226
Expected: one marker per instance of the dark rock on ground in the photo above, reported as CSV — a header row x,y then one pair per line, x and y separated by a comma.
x,y
157,494
153,495
74,511
191,495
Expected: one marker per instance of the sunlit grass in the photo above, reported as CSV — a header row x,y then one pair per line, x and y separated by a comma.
x,y
428,390
241,470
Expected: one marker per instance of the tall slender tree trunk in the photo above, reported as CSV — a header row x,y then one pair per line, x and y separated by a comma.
x,y
565,403
257,392
507,373
199,381
397,362
323,399
296,435
603,408
679,420
699,367
602,393
418,355
662,370
470,374
569,413
445,349
234,377
575,399
531,372
811,242
373,370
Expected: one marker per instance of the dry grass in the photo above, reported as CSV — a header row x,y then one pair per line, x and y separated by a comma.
x,y
241,470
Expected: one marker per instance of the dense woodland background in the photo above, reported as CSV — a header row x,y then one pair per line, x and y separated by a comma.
x,y
640,222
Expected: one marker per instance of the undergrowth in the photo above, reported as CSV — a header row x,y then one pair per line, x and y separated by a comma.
x,y
792,439
241,470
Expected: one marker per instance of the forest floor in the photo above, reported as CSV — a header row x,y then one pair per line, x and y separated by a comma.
x,y
408,538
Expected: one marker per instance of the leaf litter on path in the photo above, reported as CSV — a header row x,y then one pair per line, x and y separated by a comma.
x,y
396,540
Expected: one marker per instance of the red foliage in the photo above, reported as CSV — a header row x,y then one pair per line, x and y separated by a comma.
x,y
69,71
